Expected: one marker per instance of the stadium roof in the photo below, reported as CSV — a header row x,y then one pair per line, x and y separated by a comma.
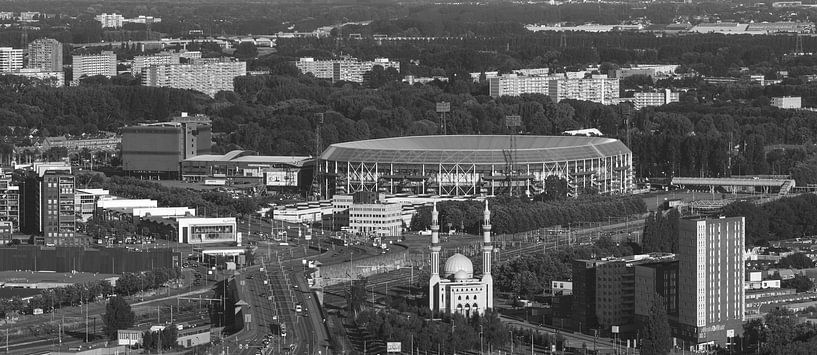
x,y
476,149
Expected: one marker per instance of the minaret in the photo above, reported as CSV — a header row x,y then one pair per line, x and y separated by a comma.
x,y
487,249
433,283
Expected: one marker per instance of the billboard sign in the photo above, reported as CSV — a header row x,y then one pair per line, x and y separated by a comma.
x,y
443,107
394,346
281,178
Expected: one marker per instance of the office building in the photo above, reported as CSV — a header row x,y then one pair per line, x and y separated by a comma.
x,y
49,206
457,290
348,69
110,20
645,99
657,278
711,269
608,292
156,150
45,54
787,102
192,230
584,294
209,77
382,219
10,59
85,201
597,88
93,64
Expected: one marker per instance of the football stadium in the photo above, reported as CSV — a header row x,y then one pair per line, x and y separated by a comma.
x,y
468,165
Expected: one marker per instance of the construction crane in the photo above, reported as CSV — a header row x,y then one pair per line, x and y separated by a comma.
x,y
513,123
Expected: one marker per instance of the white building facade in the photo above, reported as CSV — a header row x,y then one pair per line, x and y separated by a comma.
x,y
458,290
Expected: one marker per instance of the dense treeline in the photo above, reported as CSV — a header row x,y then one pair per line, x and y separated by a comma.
x,y
91,291
87,109
780,219
211,203
461,334
512,215
661,231
529,275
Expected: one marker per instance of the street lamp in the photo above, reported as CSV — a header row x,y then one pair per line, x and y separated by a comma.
x,y
480,340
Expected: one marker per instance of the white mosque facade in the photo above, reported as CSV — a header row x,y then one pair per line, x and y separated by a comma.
x,y
456,290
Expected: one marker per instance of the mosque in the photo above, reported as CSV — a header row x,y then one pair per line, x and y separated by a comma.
x,y
458,291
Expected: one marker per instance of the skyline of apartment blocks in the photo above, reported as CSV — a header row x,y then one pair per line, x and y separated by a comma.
x,y
645,99
351,70
45,54
208,78
143,61
597,88
93,64
10,59
107,20
711,271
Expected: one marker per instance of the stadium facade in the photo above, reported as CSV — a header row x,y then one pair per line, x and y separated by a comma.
x,y
476,164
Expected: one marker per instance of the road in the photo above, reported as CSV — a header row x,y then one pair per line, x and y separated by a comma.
x,y
574,340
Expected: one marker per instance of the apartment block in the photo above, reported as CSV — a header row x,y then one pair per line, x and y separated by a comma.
x,y
10,59
93,64
352,70
645,99
209,77
597,88
9,204
48,203
711,273
45,54
110,20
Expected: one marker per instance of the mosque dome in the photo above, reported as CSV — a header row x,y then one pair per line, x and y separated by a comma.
x,y
460,266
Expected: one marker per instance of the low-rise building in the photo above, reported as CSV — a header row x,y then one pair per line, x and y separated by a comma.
x,y
195,336
787,102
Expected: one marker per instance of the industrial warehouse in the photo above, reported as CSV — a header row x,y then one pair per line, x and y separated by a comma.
x,y
469,165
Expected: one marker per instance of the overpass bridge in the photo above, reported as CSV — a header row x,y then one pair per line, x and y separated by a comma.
x,y
766,185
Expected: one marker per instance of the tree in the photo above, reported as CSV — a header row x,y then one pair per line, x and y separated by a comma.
x,y
118,315
246,50
796,261
656,330
799,282
356,296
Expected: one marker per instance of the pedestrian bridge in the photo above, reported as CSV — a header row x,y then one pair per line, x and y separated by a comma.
x,y
783,186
